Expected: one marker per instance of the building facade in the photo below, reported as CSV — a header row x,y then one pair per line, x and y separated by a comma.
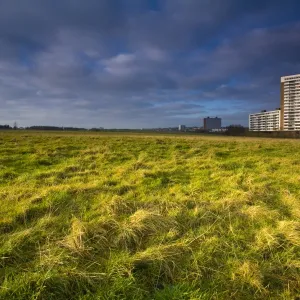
x,y
290,103
181,127
212,123
265,121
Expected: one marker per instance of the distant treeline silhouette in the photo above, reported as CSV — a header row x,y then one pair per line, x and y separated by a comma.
x,y
52,128
5,127
57,128
232,130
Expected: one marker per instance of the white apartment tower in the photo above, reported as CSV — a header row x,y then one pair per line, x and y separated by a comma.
x,y
290,102
265,121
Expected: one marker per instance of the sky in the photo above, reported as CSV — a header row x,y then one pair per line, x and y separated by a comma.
x,y
144,63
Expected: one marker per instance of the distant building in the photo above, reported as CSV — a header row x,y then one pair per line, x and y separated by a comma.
x,y
212,123
290,102
265,121
224,129
181,127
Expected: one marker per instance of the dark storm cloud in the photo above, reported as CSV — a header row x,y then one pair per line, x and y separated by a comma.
x,y
119,63
260,54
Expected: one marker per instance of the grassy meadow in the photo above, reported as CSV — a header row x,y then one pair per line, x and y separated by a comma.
x,y
120,216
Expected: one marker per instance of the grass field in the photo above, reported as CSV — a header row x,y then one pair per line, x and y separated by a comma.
x,y
95,216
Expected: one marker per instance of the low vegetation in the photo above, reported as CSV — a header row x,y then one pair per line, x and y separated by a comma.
x,y
98,216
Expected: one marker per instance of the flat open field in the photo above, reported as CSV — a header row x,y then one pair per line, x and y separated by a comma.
x,y
99,216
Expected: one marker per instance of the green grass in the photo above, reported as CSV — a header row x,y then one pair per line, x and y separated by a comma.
x,y
120,216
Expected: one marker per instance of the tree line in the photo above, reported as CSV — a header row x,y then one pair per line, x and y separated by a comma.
x,y
52,128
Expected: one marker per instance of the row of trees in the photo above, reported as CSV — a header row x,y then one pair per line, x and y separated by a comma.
x,y
54,128
7,127
231,130
50,128
236,130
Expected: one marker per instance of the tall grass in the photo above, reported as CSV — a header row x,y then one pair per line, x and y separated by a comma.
x,y
95,216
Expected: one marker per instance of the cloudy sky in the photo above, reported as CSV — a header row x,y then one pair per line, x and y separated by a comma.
x,y
143,63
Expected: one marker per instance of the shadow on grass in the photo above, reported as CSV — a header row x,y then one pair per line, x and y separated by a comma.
x,y
162,179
